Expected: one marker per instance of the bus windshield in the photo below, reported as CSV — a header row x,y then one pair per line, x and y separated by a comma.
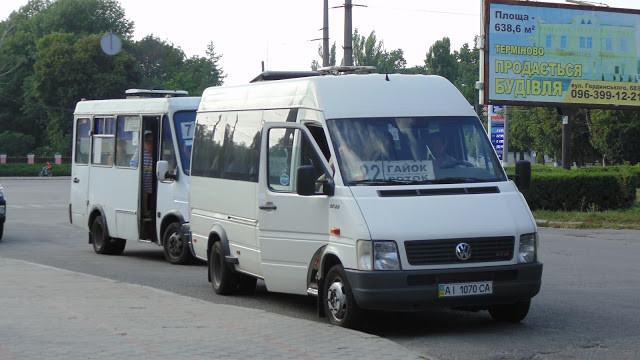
x,y
413,150
184,123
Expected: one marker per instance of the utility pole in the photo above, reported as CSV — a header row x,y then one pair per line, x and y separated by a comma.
x,y
348,34
566,142
325,34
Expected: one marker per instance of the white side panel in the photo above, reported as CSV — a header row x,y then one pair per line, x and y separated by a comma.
x,y
79,195
116,189
230,205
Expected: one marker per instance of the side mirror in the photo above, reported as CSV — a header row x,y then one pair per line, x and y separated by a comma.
x,y
523,174
306,182
162,171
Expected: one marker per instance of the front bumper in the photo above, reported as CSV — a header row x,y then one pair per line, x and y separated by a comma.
x,y
418,290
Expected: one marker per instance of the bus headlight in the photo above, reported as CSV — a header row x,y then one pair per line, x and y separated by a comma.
x,y
378,255
527,252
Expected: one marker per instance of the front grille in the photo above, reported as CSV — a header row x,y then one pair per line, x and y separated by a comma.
x,y
435,252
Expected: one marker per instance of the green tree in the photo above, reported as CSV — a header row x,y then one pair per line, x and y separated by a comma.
x,y
159,60
70,67
468,73
16,144
370,52
198,73
315,64
615,134
440,60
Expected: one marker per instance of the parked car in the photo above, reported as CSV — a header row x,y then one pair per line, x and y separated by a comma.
x,y
3,211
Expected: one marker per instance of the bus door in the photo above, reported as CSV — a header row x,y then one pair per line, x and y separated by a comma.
x,y
291,227
148,188
80,171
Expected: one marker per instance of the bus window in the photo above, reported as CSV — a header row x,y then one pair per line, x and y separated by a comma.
x,y
127,129
168,152
184,123
83,126
103,141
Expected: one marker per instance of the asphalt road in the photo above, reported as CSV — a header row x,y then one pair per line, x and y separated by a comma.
x,y
588,308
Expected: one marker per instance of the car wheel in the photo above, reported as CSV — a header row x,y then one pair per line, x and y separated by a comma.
x,y
176,250
339,304
101,241
223,280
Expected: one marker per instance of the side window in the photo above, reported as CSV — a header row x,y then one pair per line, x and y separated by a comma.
x,y
103,141
127,133
168,152
227,145
289,149
83,126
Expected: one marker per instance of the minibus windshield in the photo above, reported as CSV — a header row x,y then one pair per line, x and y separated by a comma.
x,y
184,123
413,150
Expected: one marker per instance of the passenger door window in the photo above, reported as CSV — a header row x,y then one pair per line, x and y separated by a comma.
x,y
103,141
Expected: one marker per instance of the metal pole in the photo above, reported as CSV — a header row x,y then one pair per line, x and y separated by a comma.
x,y
505,148
325,34
566,143
348,34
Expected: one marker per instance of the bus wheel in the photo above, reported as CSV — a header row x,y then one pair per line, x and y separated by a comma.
x,y
176,251
101,242
339,303
510,312
222,277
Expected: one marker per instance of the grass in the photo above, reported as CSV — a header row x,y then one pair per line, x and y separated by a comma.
x,y
625,219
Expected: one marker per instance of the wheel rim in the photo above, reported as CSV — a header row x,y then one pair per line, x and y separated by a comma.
x,y
337,300
174,243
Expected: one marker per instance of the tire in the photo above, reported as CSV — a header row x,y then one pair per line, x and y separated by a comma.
x,y
513,313
223,280
176,251
339,304
1,230
101,241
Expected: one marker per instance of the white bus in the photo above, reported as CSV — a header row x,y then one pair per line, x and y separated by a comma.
x,y
115,193
371,192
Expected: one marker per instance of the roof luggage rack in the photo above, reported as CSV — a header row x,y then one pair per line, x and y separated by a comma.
x,y
282,75
146,93
347,69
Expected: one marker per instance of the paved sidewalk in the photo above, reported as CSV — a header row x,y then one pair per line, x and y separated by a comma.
x,y
49,313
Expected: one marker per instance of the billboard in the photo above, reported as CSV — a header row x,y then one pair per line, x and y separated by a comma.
x,y
561,55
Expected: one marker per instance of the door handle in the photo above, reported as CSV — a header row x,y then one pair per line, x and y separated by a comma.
x,y
267,206
76,180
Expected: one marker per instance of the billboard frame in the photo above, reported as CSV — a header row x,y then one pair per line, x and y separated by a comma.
x,y
485,58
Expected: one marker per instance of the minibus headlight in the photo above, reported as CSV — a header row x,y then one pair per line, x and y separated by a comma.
x,y
527,252
377,255
385,256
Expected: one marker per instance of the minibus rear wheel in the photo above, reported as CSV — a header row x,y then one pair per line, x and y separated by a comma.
x,y
223,280
101,241
339,304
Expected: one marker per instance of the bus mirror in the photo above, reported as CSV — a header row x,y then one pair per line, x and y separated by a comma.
x,y
162,171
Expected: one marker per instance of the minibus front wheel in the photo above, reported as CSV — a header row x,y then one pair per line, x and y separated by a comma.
x,y
339,304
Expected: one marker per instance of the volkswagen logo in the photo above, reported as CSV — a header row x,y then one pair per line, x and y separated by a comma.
x,y
463,251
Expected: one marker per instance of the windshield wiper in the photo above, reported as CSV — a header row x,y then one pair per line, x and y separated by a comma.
x,y
457,180
389,182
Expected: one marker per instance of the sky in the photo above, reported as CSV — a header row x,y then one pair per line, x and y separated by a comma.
x,y
281,33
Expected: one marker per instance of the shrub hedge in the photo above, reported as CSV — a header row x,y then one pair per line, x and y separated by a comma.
x,y
592,188
23,169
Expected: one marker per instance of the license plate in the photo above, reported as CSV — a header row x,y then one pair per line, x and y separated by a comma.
x,y
466,289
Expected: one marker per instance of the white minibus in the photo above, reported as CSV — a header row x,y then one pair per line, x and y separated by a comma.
x,y
369,191
118,145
